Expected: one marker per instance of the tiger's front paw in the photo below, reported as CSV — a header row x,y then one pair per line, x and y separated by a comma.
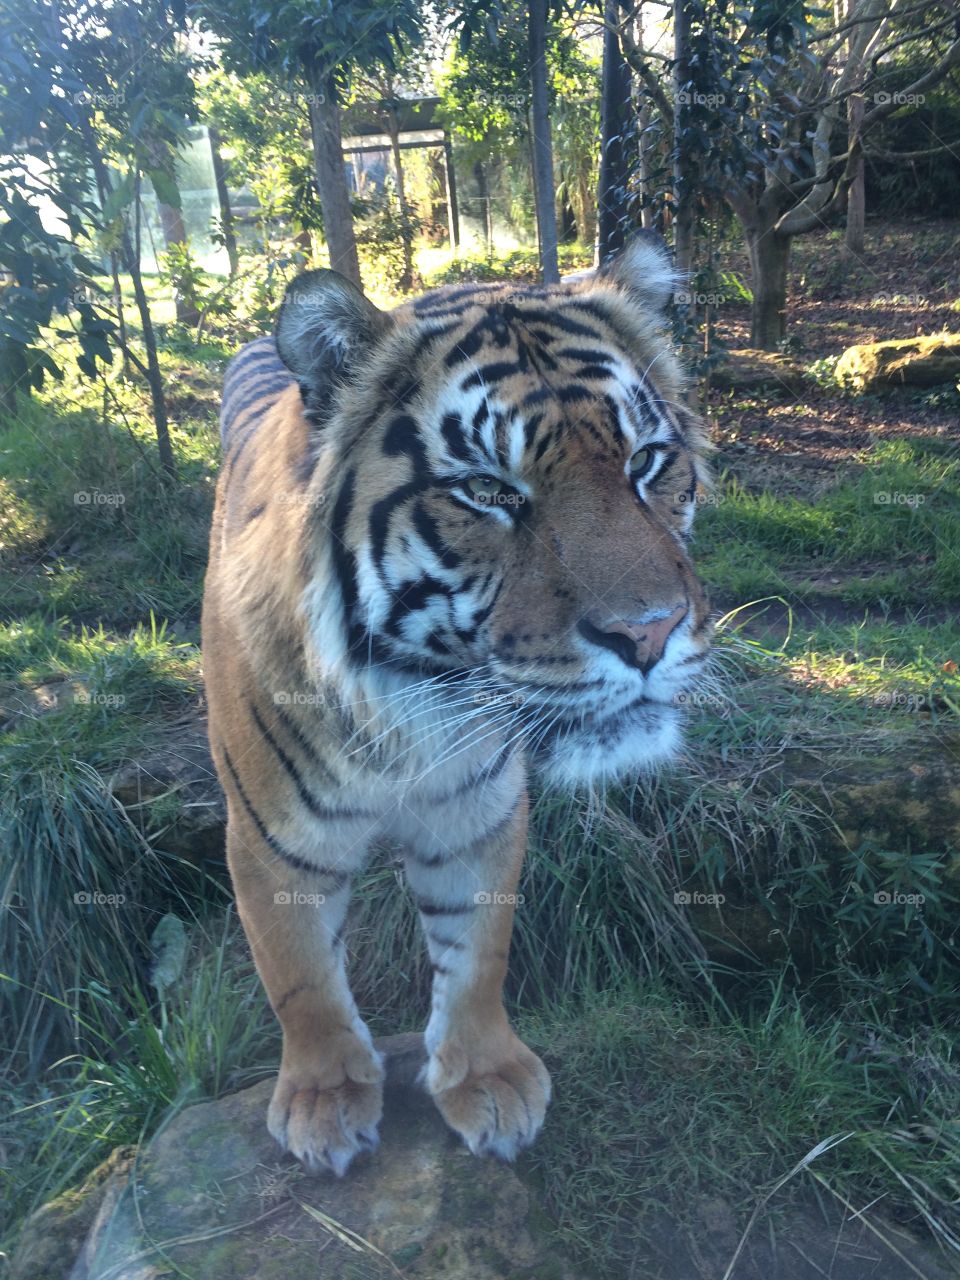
x,y
327,1115
496,1100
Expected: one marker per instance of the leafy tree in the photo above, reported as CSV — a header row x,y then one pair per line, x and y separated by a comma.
x,y
316,48
486,99
764,93
88,84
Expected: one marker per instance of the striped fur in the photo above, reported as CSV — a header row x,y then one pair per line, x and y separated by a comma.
x,y
449,544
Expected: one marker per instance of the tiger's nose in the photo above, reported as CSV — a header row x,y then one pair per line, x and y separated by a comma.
x,y
638,644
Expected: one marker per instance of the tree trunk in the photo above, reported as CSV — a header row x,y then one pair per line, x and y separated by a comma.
x,y
332,181
223,200
615,96
541,142
856,194
683,224
130,257
175,237
480,174
769,266
406,235
646,152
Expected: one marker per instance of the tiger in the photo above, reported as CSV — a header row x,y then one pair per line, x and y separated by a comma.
x,y
450,548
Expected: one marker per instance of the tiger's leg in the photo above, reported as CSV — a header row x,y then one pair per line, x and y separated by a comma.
x,y
488,1085
328,1098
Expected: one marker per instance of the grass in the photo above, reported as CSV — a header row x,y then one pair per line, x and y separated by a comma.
x,y
898,521
77,705
89,528
723,1107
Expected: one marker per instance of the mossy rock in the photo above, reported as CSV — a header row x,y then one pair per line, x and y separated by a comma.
x,y
54,1236
917,362
215,1197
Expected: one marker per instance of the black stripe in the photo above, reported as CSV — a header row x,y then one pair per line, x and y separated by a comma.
x,y
412,597
448,944
573,393
296,777
426,526
559,320
530,429
294,730
489,373
451,428
428,908
345,564
291,859
381,513
586,355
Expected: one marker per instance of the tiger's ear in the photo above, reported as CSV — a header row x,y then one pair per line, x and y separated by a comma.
x,y
324,330
645,270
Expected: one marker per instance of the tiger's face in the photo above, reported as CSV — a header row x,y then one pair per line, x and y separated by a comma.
x,y
504,488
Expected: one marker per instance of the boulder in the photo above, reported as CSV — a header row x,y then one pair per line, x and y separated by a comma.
x,y
56,1234
916,362
213,1196
180,776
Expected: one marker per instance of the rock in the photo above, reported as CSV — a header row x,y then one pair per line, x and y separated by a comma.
x,y
915,362
748,369
893,797
213,1196
184,774
54,1235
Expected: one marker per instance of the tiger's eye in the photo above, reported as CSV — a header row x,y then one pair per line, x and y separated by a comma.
x,y
483,488
641,462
